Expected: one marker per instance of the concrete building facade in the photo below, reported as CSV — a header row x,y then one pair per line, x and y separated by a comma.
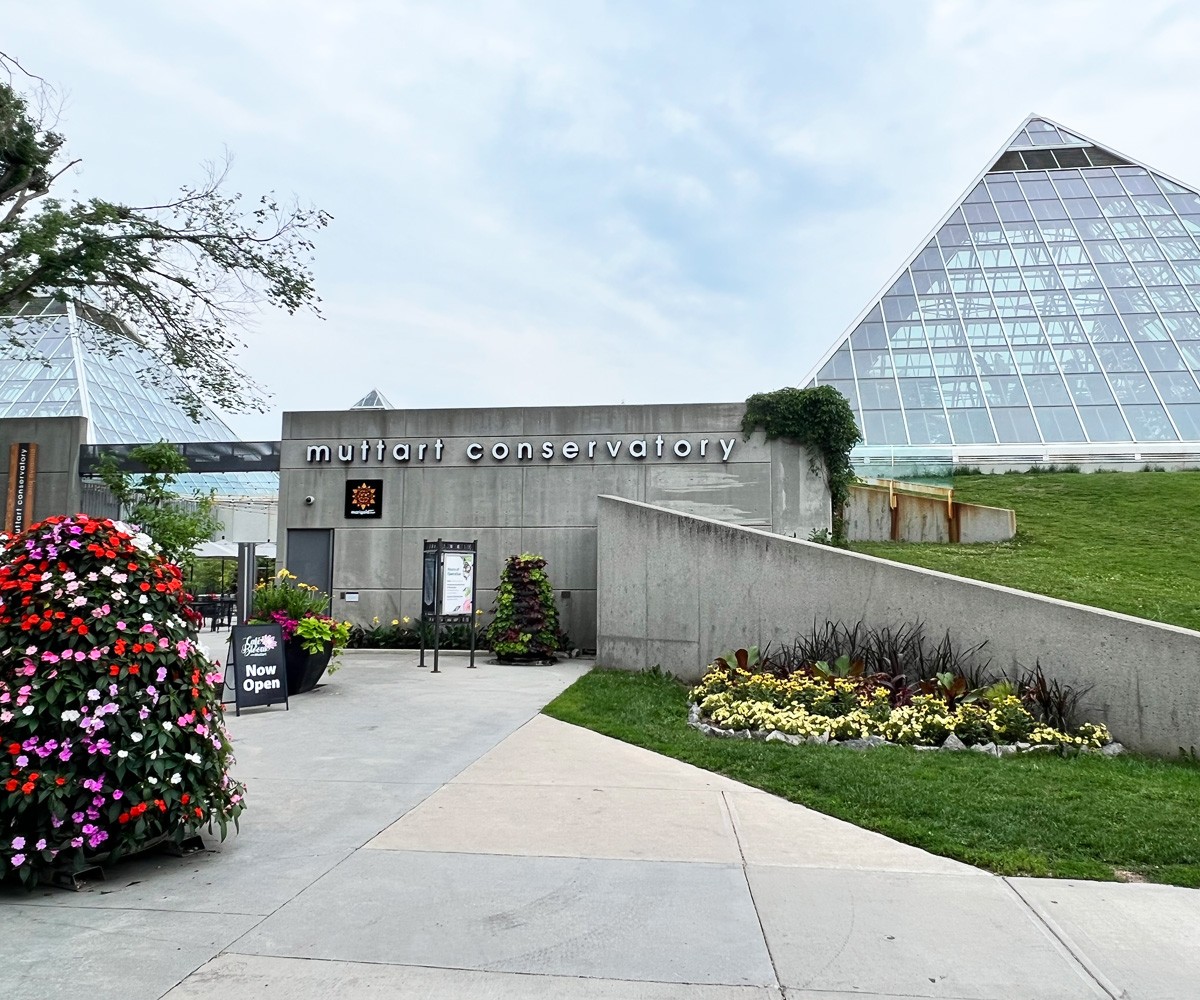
x,y
522,479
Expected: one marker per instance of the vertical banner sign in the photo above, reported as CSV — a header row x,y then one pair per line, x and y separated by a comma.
x,y
429,575
22,471
448,591
256,666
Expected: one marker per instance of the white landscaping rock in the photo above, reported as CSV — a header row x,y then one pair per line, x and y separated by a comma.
x,y
952,742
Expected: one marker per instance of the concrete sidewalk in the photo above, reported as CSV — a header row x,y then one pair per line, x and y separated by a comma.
x,y
418,836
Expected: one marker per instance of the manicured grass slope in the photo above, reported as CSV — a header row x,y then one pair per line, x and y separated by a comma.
x,y
1128,542
1079,817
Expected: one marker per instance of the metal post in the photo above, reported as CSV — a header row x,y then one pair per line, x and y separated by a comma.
x,y
246,573
437,608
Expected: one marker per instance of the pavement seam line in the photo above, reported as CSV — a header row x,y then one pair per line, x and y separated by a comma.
x,y
377,963
750,889
1064,940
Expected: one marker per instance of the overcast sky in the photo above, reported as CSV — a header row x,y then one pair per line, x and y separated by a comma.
x,y
583,202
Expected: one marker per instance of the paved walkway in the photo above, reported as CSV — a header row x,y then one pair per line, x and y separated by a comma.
x,y
417,836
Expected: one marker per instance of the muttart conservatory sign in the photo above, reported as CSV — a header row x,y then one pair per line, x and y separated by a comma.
x,y
597,449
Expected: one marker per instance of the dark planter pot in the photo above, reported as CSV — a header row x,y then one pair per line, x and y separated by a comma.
x,y
304,669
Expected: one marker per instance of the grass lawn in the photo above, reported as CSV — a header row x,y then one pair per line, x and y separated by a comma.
x,y
1080,817
1125,541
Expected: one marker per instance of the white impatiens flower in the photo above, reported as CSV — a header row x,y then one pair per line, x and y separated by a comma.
x,y
136,737
193,757
122,754
70,715
176,778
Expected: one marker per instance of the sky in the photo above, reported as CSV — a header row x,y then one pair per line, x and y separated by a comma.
x,y
549,203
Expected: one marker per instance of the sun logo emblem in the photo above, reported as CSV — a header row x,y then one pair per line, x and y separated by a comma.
x,y
363,496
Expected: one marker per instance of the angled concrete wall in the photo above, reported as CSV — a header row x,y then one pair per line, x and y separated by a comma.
x,y
677,590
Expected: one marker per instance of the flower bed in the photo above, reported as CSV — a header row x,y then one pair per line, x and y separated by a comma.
x,y
110,718
406,633
820,702
299,610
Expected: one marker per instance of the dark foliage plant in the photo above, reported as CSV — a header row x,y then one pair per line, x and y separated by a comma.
x,y
1050,701
525,622
898,658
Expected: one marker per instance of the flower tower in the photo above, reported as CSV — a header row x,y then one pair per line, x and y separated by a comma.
x,y
111,732
525,626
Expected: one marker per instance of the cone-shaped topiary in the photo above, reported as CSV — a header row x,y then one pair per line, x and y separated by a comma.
x,y
111,731
525,625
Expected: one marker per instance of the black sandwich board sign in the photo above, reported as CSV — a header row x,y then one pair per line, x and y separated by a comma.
x,y
448,590
255,667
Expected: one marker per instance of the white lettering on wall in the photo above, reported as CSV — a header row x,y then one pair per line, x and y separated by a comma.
x,y
523,451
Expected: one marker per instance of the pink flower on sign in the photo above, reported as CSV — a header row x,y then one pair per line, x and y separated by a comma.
x,y
269,642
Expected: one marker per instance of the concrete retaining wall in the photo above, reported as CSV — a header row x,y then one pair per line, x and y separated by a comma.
x,y
677,590
923,519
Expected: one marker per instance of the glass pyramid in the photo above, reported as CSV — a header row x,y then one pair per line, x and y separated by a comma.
x,y
373,400
1056,304
56,360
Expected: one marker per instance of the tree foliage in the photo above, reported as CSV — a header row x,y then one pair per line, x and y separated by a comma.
x,y
820,418
175,274
176,524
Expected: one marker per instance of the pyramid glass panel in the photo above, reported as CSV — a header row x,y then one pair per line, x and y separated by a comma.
x,y
1057,303
58,362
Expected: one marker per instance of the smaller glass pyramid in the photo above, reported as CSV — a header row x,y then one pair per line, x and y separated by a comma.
x,y
373,400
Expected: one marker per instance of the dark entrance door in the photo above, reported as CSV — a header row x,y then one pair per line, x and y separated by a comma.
x,y
310,556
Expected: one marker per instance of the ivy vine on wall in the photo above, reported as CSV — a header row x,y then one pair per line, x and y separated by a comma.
x,y
819,418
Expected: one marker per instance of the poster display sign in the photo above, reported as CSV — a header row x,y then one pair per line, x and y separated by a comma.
x,y
448,590
255,667
458,583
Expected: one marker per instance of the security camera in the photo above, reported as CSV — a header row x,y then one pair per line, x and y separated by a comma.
x,y
309,501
